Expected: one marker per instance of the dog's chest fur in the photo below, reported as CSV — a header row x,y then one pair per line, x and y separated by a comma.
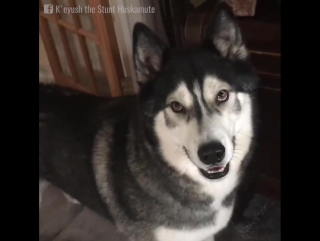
x,y
222,206
221,220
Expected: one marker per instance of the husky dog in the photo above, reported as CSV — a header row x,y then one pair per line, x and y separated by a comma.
x,y
162,165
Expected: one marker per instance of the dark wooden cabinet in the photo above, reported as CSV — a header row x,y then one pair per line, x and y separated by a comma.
x,y
263,37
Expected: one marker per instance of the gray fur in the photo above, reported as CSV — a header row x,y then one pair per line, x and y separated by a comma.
x,y
169,122
237,105
229,199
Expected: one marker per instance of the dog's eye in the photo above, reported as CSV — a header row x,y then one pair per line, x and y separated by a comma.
x,y
222,96
176,106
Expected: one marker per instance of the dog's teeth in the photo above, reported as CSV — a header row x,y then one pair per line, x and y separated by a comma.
x,y
215,171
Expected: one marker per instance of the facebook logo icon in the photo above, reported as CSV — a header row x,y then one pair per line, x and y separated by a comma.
x,y
48,8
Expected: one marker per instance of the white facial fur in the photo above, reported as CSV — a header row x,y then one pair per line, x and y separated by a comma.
x,y
180,133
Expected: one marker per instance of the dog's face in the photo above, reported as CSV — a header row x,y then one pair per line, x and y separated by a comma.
x,y
200,101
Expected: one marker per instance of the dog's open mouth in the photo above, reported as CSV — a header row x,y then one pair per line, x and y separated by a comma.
x,y
215,172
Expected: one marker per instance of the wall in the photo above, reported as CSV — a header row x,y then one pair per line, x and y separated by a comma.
x,y
45,72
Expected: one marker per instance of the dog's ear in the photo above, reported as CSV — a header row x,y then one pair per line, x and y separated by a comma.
x,y
225,35
147,53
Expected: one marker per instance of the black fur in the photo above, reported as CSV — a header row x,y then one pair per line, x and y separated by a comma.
x,y
67,129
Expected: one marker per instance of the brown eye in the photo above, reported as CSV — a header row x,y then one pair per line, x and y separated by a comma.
x,y
176,106
222,96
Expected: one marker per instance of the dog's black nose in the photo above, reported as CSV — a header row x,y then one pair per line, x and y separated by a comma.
x,y
211,153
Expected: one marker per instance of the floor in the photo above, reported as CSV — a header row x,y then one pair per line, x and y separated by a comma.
x,y
71,222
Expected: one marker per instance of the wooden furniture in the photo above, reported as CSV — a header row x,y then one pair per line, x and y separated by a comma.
x,y
262,36
82,47
173,14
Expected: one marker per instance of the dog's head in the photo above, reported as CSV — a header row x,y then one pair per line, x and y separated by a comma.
x,y
199,102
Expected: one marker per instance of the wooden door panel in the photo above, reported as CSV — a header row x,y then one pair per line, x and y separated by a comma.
x,y
82,48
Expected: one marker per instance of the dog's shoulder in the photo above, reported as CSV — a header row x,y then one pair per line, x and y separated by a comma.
x,y
67,102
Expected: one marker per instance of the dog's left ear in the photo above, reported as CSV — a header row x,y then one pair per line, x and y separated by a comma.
x,y
147,53
225,35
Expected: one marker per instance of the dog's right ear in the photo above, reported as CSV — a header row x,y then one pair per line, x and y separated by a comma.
x,y
147,53
225,35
